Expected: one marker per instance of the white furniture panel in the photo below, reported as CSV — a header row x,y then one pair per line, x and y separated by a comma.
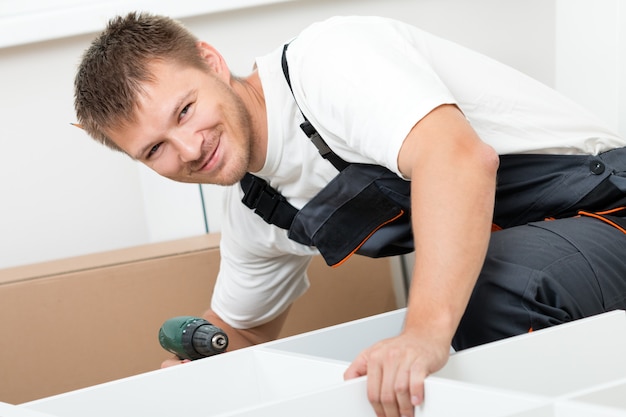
x,y
10,410
613,397
572,370
244,379
448,398
344,341
552,362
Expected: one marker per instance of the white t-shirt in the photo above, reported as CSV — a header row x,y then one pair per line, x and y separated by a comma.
x,y
364,82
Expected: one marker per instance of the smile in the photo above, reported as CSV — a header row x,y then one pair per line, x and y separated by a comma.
x,y
209,161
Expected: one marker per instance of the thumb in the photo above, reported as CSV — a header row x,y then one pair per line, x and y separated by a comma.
x,y
173,362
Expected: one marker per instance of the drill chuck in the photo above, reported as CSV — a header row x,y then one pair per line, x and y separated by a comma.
x,y
192,338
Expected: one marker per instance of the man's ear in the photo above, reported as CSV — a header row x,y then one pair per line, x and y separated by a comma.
x,y
213,59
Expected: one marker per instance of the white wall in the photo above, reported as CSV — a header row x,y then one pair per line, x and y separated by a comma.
x,y
63,195
591,56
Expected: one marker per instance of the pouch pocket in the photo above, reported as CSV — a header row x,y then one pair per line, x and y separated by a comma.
x,y
364,209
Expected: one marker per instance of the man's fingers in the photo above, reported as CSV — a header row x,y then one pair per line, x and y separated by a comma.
x,y
417,387
403,394
386,383
374,393
396,369
357,368
173,362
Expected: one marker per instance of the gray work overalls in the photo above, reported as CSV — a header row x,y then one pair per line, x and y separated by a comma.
x,y
541,272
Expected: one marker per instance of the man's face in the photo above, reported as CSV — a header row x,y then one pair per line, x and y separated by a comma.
x,y
189,126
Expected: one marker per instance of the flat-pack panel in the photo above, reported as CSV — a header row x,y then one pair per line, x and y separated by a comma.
x,y
551,362
572,370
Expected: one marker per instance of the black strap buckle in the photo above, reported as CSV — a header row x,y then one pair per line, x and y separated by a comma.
x,y
267,202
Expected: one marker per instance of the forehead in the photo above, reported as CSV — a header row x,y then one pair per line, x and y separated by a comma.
x,y
143,89
161,74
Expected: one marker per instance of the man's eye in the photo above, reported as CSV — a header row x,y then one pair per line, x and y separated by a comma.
x,y
184,111
153,150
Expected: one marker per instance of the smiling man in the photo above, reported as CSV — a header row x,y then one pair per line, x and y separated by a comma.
x,y
413,132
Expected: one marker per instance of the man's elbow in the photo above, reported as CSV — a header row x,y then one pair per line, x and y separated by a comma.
x,y
489,159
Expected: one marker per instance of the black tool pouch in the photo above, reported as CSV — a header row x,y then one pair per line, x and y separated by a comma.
x,y
365,209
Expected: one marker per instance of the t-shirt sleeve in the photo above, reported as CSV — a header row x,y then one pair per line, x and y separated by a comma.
x,y
365,82
261,272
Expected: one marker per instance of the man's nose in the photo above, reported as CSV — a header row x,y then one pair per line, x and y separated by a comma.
x,y
189,146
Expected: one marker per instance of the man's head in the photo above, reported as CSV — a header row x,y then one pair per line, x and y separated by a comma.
x,y
112,71
149,88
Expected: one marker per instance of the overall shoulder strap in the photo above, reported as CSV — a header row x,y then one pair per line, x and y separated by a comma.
x,y
265,200
308,128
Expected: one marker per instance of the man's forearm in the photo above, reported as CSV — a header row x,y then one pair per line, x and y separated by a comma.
x,y
453,181
240,338
450,245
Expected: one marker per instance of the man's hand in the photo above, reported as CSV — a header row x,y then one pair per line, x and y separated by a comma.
x,y
396,369
173,361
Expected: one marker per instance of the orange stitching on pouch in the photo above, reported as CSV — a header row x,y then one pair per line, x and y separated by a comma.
x,y
365,240
606,211
607,221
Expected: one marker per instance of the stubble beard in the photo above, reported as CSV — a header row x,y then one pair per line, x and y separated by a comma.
x,y
242,142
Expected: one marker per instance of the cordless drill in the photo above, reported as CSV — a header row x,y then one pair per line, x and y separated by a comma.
x,y
192,338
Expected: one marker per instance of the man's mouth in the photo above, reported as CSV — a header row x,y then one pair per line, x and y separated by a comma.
x,y
206,160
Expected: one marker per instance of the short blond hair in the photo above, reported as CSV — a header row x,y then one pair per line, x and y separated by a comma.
x,y
113,69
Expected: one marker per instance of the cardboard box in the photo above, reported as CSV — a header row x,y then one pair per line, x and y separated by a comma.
x,y
82,321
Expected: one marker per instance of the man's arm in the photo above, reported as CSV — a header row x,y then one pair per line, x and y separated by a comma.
x,y
240,338
452,196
